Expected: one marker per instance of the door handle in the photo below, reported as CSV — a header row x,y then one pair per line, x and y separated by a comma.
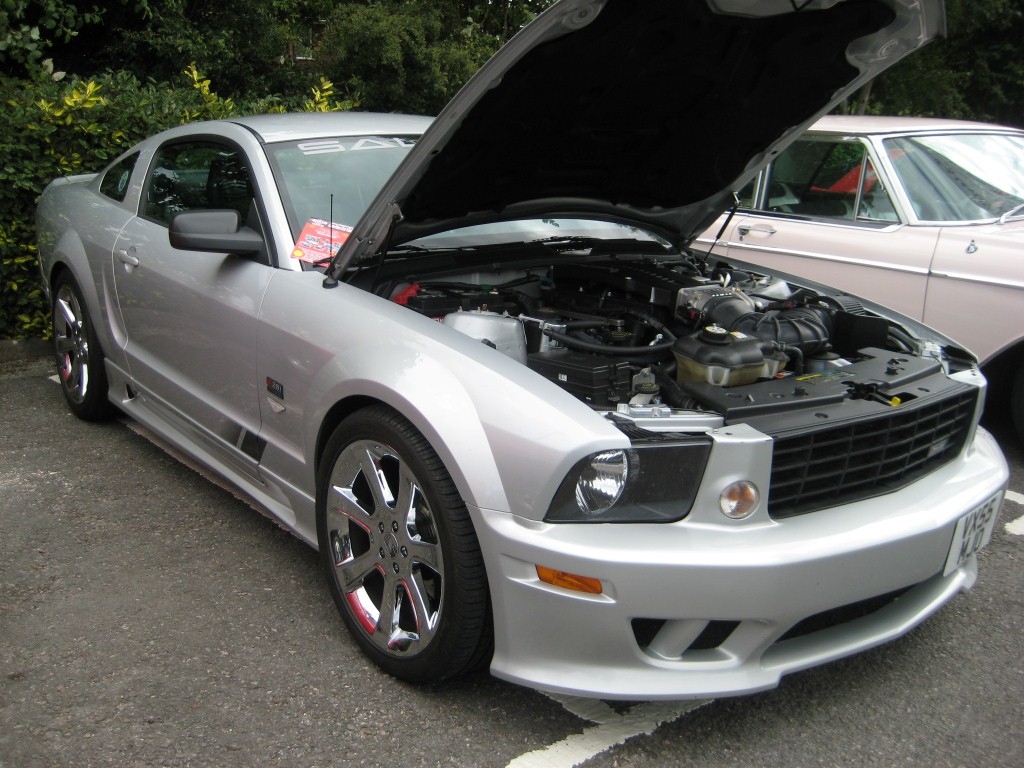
x,y
128,258
746,229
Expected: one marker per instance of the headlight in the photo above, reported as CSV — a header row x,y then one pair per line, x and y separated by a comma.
x,y
601,481
643,484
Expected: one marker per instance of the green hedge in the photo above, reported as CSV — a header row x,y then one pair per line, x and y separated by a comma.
x,y
54,125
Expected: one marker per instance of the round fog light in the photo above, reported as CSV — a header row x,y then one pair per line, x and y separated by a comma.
x,y
739,499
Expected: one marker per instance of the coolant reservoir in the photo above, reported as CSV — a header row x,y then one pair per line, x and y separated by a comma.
x,y
714,356
504,333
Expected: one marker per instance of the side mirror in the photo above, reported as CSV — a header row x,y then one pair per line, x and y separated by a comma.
x,y
218,231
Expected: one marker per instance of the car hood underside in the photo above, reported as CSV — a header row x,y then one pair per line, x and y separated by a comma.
x,y
645,111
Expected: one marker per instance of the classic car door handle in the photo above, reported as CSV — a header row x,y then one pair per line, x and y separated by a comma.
x,y
746,229
128,258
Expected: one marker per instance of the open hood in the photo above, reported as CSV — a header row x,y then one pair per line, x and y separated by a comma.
x,y
640,111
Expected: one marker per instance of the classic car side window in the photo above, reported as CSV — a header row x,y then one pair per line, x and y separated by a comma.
x,y
115,180
197,175
829,179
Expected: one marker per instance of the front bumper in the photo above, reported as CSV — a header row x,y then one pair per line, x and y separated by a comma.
x,y
696,610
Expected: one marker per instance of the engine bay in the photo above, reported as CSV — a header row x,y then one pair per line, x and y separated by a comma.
x,y
688,334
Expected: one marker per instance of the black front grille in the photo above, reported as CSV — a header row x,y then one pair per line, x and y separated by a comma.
x,y
832,466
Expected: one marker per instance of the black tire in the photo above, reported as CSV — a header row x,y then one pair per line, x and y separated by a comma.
x,y
80,367
398,547
1017,402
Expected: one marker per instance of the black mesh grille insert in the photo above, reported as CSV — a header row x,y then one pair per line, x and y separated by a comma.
x,y
842,615
832,466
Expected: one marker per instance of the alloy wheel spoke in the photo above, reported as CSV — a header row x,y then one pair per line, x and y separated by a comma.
x,y
352,573
426,617
82,374
345,503
67,314
369,462
390,612
426,554
408,490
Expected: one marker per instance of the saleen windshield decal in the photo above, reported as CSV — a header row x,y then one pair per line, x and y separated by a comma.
x,y
326,146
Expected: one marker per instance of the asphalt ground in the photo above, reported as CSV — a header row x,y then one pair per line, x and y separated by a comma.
x,y
150,617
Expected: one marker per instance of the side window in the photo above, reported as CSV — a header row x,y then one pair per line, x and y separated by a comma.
x,y
197,175
828,178
874,203
114,183
746,195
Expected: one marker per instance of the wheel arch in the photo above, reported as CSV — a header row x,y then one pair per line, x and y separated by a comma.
x,y
457,445
1005,375
506,436
1000,368
336,414
68,255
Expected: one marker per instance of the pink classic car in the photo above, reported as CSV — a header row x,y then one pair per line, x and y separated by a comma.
x,y
923,216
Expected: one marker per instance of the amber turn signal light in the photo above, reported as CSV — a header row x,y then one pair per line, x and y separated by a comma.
x,y
569,580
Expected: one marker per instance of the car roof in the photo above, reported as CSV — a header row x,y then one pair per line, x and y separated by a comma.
x,y
315,125
873,124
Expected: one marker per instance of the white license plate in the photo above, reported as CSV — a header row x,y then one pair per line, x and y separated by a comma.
x,y
973,532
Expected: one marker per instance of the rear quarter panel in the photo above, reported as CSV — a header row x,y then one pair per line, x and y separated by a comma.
x,y
77,228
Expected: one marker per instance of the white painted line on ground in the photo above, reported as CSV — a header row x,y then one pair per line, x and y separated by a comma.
x,y
1016,527
611,730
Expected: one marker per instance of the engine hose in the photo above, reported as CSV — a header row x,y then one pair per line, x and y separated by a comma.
x,y
797,356
581,324
898,335
588,345
653,322
670,390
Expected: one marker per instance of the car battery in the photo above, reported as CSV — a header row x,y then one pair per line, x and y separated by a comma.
x,y
597,380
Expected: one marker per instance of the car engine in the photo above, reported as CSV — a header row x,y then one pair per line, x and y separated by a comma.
x,y
689,335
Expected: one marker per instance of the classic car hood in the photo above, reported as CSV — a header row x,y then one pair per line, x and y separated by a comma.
x,y
642,111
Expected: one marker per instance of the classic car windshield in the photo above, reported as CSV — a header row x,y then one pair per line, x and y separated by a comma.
x,y
960,177
334,179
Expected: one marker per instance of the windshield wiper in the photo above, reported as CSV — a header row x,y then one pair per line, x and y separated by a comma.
x,y
409,247
603,245
1011,213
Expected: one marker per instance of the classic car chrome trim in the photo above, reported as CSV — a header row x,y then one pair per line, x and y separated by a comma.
x,y
823,257
1001,282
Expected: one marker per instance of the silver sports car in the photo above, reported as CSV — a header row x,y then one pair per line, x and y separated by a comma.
x,y
472,362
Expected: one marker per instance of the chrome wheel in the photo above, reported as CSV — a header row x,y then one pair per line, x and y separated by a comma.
x,y
384,546
70,338
80,365
399,550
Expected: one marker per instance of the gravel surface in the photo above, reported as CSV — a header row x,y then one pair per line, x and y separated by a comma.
x,y
149,617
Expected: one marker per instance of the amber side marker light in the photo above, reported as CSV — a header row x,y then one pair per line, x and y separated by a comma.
x,y
569,580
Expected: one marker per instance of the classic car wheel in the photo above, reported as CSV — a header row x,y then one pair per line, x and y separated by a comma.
x,y
79,357
402,560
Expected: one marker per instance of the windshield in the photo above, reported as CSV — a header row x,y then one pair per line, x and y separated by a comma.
x,y
334,179
960,177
